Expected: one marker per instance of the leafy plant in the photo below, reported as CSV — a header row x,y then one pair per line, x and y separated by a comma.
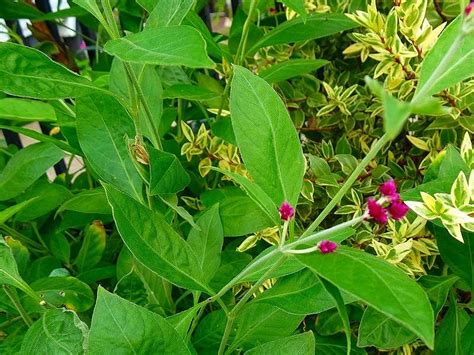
x,y
242,191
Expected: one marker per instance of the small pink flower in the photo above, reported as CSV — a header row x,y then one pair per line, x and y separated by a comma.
x,y
469,8
389,189
398,210
286,211
327,246
376,211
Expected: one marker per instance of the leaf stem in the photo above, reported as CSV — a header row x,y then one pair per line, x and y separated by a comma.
x,y
16,302
240,55
235,311
344,188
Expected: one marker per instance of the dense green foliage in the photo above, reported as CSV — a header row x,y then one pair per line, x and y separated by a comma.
x,y
219,171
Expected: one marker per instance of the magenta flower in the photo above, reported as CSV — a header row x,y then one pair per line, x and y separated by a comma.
x,y
376,211
389,189
398,210
286,211
469,8
327,246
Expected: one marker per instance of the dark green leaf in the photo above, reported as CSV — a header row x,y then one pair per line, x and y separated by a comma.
x,y
189,92
167,175
25,167
448,335
301,344
267,139
127,328
291,68
437,288
386,288
102,128
29,73
89,201
93,246
174,45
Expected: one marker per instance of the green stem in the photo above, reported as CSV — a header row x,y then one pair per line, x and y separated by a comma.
x,y
240,55
16,302
112,27
225,95
347,185
235,311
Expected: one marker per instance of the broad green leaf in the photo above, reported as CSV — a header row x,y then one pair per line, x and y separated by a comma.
x,y
103,125
334,345
47,197
43,138
167,175
316,26
9,274
150,84
341,310
291,68
9,212
297,6
189,92
12,10
171,200
54,333
232,262
131,288
130,329
377,329
267,139
173,45
62,291
22,110
300,293
28,72
207,242
301,344
168,13
25,167
89,201
459,256
223,129
467,340
256,193
93,246
457,68
259,323
448,335
395,114
154,243
240,215
437,288
148,5
182,321
385,287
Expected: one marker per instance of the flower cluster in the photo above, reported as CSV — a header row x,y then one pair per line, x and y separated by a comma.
x,y
286,211
327,246
389,204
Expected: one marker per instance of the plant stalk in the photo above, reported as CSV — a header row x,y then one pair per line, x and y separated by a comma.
x,y
16,302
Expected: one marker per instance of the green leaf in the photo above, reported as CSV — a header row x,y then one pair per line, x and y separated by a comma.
x,y
298,6
102,128
259,323
385,287
460,49
174,45
448,336
168,13
437,288
189,92
89,201
9,274
182,321
127,328
467,340
63,291
27,166
207,242
28,72
377,329
291,68
301,344
341,310
267,139
54,333
22,110
9,212
93,246
150,84
334,345
12,10
316,26
167,175
154,243
459,256
300,293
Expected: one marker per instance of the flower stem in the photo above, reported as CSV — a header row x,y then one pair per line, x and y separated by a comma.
x,y
347,185
240,55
